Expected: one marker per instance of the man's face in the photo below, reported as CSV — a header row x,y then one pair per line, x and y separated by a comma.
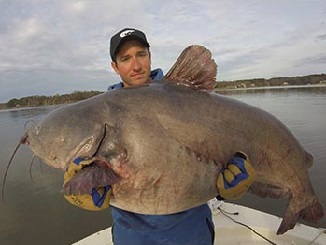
x,y
133,63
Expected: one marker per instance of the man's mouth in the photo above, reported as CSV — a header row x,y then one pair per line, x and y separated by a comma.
x,y
137,75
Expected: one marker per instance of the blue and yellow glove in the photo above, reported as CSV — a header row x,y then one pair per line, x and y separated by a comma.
x,y
234,180
97,199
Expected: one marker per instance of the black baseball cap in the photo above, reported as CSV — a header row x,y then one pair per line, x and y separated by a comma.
x,y
124,35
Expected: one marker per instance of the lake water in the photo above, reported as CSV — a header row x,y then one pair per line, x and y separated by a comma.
x,y
36,213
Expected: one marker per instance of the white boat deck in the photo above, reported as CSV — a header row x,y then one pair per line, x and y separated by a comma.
x,y
248,226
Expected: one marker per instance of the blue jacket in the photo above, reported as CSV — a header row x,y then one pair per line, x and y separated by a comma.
x,y
193,226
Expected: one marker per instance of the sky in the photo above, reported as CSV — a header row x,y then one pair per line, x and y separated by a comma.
x,y
50,47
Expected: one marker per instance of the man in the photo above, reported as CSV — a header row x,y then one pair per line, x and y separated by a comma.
x,y
131,60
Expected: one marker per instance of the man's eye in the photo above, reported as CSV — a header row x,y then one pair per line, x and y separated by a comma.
x,y
124,59
142,54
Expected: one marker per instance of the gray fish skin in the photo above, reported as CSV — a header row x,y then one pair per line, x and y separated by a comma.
x,y
168,143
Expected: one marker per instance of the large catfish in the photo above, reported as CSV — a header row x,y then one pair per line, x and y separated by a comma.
x,y
163,144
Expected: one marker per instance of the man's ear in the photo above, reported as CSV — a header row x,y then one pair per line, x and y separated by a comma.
x,y
115,67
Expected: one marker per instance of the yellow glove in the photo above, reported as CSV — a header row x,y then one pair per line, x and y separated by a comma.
x,y
234,180
97,199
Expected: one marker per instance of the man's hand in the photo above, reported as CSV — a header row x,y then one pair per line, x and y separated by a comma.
x,y
97,199
234,180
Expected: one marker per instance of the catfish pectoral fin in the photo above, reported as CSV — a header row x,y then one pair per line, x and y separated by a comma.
x,y
88,178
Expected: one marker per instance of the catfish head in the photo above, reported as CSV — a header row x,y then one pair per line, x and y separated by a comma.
x,y
66,133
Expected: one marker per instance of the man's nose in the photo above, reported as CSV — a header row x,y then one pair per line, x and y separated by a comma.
x,y
136,65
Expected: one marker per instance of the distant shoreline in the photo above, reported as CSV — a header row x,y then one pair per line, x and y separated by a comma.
x,y
215,90
273,87
316,80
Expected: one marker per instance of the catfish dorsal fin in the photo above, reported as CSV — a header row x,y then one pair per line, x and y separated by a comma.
x,y
194,68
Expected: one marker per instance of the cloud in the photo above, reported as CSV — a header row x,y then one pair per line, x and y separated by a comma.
x,y
49,47
321,37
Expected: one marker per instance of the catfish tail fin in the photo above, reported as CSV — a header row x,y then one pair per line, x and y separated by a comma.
x,y
194,68
312,212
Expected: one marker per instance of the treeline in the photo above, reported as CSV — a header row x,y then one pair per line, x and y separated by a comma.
x,y
37,100
276,81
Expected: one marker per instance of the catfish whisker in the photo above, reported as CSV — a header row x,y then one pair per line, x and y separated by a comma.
x,y
7,169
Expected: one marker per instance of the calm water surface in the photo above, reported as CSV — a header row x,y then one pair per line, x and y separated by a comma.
x,y
36,213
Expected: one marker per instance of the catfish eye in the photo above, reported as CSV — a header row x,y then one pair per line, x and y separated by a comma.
x,y
111,146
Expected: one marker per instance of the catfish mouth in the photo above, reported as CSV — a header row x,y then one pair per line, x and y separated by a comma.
x,y
24,139
46,158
